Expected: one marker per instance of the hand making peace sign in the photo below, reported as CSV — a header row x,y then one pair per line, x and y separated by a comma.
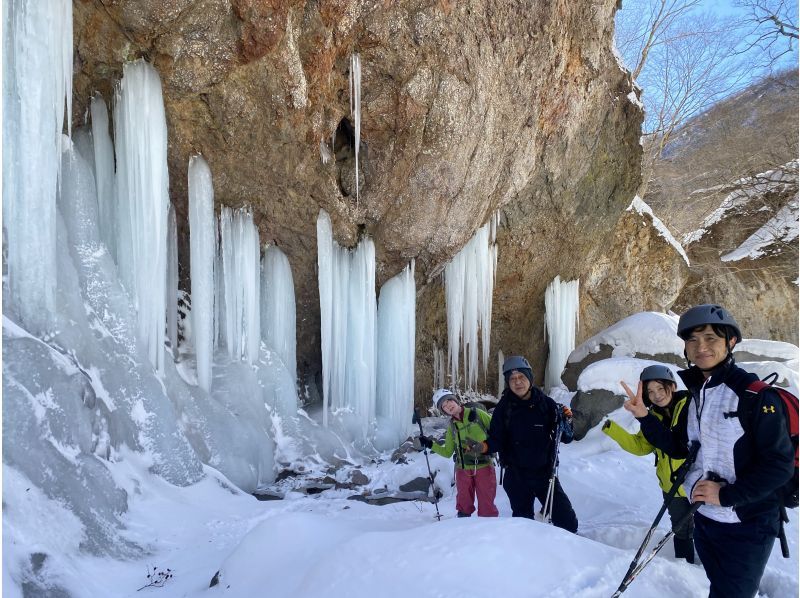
x,y
636,404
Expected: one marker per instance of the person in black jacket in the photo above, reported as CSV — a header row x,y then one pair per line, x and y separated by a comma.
x,y
523,431
745,456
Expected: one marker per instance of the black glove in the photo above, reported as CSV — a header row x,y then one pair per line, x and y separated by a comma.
x,y
425,442
606,424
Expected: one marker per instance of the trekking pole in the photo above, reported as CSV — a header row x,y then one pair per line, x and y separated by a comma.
x,y
547,508
679,477
416,420
631,575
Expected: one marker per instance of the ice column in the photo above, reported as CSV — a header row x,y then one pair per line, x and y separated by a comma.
x,y
143,199
348,314
37,79
501,380
469,285
202,246
561,320
241,279
355,106
278,308
396,343
104,173
439,367
172,282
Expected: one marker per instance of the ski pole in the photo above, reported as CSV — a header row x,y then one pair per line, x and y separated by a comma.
x,y
631,575
547,508
679,477
416,420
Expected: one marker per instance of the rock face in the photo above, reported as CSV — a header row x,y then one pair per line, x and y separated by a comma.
x,y
467,108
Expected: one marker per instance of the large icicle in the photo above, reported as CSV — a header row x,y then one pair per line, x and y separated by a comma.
x,y
104,173
202,244
355,107
241,279
143,199
469,285
278,318
37,79
561,321
396,343
172,282
348,314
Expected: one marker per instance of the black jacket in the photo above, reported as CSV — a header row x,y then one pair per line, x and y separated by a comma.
x,y
522,432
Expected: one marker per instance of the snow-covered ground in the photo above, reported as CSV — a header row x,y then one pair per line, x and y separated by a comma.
x,y
328,545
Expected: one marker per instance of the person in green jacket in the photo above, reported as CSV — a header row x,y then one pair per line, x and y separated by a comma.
x,y
475,473
657,395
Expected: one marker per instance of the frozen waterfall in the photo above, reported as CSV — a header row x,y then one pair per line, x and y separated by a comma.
x,y
143,199
396,342
104,173
202,250
469,285
278,318
561,321
37,80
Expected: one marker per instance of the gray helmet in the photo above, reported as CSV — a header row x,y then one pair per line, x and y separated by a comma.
x,y
700,315
515,362
657,372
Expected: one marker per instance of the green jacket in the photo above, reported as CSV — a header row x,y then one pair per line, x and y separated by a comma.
x,y
637,444
461,431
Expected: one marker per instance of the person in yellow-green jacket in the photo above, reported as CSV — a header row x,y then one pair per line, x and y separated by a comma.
x,y
475,473
657,395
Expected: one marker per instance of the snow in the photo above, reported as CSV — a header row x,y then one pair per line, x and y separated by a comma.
x,y
781,228
774,349
626,338
641,208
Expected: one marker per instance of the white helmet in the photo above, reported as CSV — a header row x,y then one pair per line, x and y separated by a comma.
x,y
441,395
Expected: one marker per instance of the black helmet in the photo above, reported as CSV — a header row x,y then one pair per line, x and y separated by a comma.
x,y
700,315
515,362
657,372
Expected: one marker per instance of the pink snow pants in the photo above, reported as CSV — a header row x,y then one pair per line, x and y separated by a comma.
x,y
482,482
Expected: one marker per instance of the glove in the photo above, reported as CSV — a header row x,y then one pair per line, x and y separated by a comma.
x,y
476,448
425,442
567,412
606,424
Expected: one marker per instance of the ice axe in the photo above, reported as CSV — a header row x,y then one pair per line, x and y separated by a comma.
x,y
416,420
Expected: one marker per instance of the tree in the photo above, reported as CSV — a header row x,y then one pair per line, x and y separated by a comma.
x,y
772,25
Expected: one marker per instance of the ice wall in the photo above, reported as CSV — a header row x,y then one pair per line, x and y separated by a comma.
x,y
348,315
396,344
104,173
171,299
202,249
143,199
37,79
278,320
561,322
469,285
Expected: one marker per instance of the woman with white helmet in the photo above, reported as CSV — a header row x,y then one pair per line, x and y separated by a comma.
x,y
656,396
475,475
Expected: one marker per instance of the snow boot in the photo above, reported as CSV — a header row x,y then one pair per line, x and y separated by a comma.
x,y
684,549
460,514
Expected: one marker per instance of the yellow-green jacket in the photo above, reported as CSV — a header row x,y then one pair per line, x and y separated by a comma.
x,y
637,444
461,431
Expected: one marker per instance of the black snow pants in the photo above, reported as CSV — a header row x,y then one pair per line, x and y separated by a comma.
x,y
734,554
522,489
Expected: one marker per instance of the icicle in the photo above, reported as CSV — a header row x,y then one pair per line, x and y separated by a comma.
x,y
469,286
501,380
172,282
241,282
202,244
143,200
37,79
348,314
396,344
324,151
104,173
355,107
278,317
561,320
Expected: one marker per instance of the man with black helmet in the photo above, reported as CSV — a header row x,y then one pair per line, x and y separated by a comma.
x,y
523,431
742,461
